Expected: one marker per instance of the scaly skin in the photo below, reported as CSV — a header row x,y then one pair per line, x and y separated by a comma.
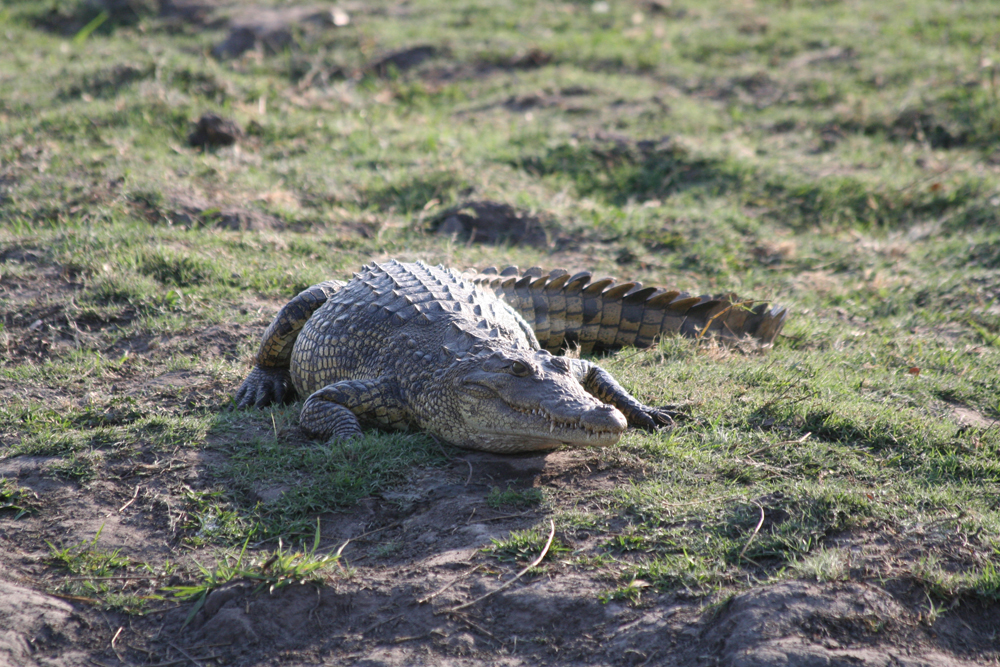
x,y
411,346
602,315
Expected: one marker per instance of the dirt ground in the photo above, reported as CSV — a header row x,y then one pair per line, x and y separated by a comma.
x,y
394,609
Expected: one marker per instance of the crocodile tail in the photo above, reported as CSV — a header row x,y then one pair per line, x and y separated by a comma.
x,y
570,310
279,338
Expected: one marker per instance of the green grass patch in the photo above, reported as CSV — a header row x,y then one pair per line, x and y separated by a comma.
x,y
270,570
513,498
525,546
16,499
98,575
301,479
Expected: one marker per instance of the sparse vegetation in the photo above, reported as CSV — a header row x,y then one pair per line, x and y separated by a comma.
x,y
269,570
525,545
102,576
16,499
513,498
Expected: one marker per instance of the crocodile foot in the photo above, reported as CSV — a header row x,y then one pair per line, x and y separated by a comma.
x,y
265,386
652,419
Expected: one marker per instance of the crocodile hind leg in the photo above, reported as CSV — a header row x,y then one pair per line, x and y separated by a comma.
x,y
338,410
269,382
600,384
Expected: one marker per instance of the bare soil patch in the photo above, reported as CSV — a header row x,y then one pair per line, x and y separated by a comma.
x,y
400,61
490,222
37,629
34,308
188,210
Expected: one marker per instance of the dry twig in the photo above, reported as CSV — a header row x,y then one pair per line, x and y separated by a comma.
x,y
134,496
755,530
428,598
187,655
545,550
115,638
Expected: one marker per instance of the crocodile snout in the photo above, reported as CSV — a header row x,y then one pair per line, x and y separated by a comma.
x,y
604,418
589,415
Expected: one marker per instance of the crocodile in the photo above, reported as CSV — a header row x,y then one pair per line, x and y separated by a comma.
x,y
412,346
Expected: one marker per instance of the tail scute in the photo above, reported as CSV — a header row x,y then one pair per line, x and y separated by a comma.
x,y
602,314
597,288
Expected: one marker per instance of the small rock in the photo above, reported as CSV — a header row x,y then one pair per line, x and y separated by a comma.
x,y
240,40
400,61
340,17
218,598
335,17
214,130
230,625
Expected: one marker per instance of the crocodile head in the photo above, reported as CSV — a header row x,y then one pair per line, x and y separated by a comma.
x,y
520,400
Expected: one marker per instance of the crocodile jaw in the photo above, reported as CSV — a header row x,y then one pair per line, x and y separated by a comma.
x,y
523,442
539,429
511,400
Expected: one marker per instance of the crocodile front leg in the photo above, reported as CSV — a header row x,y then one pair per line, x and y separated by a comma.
x,y
269,382
338,410
599,383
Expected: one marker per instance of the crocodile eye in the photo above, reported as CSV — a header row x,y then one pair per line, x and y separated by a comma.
x,y
559,363
520,369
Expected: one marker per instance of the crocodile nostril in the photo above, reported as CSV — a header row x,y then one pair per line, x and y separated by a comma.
x,y
605,417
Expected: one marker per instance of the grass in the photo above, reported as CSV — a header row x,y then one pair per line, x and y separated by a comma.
x,y
270,570
840,158
823,565
513,498
313,477
99,575
525,545
16,499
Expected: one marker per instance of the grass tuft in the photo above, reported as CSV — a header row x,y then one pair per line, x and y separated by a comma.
x,y
270,570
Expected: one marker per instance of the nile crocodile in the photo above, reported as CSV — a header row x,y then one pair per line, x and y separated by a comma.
x,y
415,346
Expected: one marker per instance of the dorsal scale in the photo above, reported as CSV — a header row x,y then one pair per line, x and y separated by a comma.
x,y
399,295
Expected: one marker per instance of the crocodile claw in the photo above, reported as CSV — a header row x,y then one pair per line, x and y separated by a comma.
x,y
653,419
265,386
